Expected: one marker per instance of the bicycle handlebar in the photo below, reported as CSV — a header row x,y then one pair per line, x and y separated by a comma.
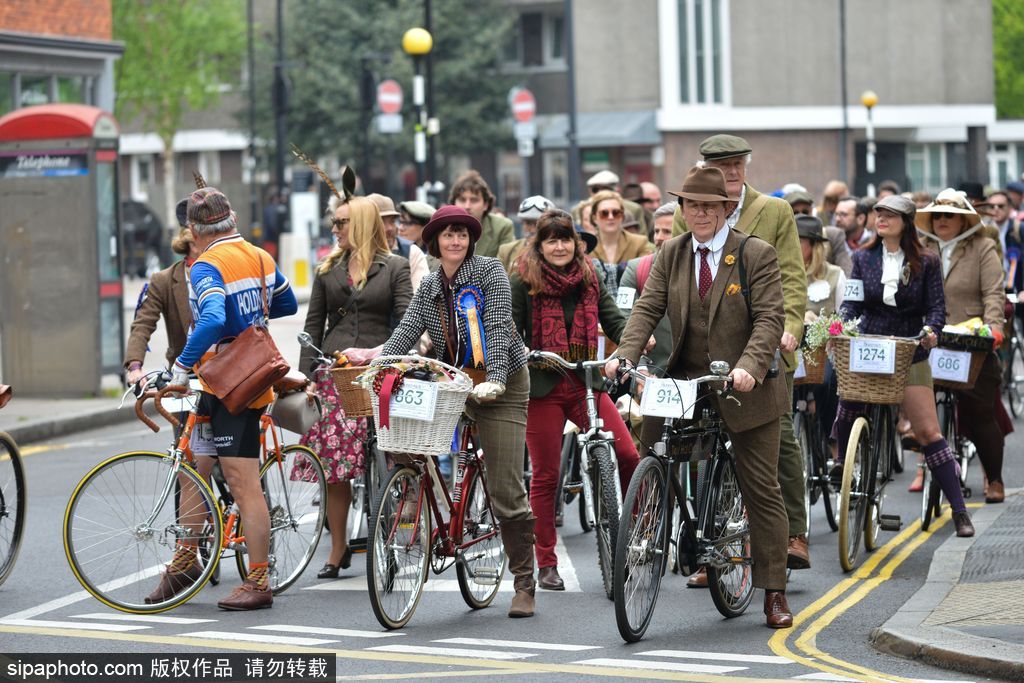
x,y
157,397
535,356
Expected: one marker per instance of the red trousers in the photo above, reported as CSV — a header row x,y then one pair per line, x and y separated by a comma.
x,y
545,423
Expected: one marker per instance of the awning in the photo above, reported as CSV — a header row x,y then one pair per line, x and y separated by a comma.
x,y
600,129
185,141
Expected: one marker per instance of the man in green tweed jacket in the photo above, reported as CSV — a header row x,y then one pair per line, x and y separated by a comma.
x,y
471,192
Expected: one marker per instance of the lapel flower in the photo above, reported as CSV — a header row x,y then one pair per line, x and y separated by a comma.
x,y
733,288
729,260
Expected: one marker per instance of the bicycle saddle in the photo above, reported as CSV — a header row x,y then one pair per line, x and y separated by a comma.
x,y
6,393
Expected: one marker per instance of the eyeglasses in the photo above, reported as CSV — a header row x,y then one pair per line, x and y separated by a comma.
x,y
609,213
338,223
998,206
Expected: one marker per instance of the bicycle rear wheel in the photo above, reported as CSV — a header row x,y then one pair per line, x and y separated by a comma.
x,y
480,566
640,550
12,504
1014,376
802,428
881,443
853,502
730,575
120,529
606,512
295,489
398,550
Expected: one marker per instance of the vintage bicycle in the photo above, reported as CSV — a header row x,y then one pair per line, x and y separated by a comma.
x,y
1013,364
129,513
12,496
810,436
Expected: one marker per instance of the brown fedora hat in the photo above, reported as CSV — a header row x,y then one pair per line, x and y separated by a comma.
x,y
705,184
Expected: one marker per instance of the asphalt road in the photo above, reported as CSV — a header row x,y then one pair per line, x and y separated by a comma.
x,y
573,636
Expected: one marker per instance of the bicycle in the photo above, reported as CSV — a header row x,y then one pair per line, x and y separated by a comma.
x,y
814,445
714,535
131,510
403,545
12,496
599,469
570,480
1013,367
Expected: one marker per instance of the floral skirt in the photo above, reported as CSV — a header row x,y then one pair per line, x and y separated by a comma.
x,y
337,440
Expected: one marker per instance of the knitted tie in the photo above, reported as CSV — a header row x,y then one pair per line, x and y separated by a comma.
x,y
704,281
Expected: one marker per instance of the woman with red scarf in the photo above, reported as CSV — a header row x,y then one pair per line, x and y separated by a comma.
x,y
557,302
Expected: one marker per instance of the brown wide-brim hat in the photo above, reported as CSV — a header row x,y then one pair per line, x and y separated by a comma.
x,y
705,184
947,201
810,227
451,215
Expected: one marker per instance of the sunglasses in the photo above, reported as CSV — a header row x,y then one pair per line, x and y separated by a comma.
x,y
998,206
340,222
609,213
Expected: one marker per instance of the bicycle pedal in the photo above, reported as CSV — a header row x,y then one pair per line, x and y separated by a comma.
x,y
889,522
486,576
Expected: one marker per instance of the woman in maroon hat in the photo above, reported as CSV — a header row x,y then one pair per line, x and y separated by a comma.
x,y
443,307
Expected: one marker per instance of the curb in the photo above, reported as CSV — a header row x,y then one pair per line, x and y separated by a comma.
x,y
40,430
905,634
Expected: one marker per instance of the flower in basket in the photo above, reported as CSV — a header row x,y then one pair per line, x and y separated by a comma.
x,y
827,327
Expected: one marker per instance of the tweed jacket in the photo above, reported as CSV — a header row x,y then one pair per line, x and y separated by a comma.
x,y
509,252
919,300
167,296
776,225
732,335
368,319
630,247
426,313
497,230
542,380
973,287
663,332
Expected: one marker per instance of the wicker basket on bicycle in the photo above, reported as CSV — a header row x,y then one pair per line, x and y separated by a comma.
x,y
814,367
354,399
869,387
978,347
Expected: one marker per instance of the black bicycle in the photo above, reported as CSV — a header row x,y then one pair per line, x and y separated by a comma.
x,y
12,496
1013,368
814,445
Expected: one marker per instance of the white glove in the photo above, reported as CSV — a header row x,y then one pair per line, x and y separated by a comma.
x,y
179,376
488,391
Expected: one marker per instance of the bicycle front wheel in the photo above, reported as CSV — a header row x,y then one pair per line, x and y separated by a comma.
x,y
802,429
1015,375
398,550
482,559
606,512
640,550
730,575
853,502
295,488
12,504
122,525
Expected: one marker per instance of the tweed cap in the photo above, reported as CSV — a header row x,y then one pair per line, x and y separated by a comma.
x,y
207,206
420,211
723,146
181,212
384,204
810,227
797,197
705,184
603,178
897,204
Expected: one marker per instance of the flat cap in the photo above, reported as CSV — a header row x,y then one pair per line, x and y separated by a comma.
x,y
384,204
420,211
207,206
797,197
1015,186
723,146
897,204
810,227
603,178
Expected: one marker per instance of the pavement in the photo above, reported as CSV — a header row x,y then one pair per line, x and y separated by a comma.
x,y
969,614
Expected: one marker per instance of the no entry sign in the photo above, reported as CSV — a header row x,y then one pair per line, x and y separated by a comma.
x,y
524,106
389,96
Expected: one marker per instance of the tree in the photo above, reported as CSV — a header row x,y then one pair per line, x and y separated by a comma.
x,y
177,54
1008,57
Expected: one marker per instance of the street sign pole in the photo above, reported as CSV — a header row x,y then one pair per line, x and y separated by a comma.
x,y
524,108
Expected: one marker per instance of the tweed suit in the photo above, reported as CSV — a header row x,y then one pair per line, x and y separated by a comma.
x,y
744,342
167,296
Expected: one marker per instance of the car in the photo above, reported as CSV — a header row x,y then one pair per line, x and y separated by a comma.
x,y
144,241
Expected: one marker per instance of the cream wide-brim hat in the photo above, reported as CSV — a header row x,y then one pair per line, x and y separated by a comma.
x,y
947,201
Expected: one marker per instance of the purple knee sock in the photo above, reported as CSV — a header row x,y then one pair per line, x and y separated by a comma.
x,y
945,470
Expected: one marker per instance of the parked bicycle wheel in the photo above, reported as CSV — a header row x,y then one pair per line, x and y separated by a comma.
x,y
640,550
606,512
12,504
398,549
853,502
730,576
480,566
121,527
881,439
1013,375
292,488
801,428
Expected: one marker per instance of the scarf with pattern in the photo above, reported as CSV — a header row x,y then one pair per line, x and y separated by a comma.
x,y
549,333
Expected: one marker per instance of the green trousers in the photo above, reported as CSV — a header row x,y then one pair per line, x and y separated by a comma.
x,y
791,469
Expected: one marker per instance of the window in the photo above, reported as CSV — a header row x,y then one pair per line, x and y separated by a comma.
x,y
71,89
926,166
538,41
34,90
556,176
6,92
701,51
209,166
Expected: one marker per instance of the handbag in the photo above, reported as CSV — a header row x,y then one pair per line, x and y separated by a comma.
x,y
296,413
249,365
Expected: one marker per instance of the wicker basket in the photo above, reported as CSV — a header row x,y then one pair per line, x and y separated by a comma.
x,y
869,387
979,348
417,437
355,400
814,367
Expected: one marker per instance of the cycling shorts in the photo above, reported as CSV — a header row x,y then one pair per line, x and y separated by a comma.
x,y
236,436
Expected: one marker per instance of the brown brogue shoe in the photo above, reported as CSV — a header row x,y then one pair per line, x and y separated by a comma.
x,y
776,610
549,579
698,580
996,492
964,528
248,596
798,556
172,583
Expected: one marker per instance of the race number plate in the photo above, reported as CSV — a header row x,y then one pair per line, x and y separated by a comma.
x,y
668,398
854,290
952,366
625,297
877,356
801,369
415,400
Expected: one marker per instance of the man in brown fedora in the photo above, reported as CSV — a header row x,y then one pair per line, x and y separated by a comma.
x,y
696,281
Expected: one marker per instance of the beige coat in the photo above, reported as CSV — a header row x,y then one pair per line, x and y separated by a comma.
x,y
630,247
168,297
974,284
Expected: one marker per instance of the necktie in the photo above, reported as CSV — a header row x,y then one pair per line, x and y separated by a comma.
x,y
704,281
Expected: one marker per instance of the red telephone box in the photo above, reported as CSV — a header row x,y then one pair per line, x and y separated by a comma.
x,y
61,304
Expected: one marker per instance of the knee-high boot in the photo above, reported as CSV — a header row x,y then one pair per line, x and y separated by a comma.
x,y
518,539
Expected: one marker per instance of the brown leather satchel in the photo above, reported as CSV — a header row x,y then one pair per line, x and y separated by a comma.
x,y
247,366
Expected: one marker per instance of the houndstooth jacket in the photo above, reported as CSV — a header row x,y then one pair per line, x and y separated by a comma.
x,y
505,351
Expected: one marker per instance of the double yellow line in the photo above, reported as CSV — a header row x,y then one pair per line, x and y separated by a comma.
x,y
823,611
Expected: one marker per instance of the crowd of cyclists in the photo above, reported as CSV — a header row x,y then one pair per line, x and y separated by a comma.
x,y
454,283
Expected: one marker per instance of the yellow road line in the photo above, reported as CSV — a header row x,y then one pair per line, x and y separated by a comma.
x,y
437,674
32,450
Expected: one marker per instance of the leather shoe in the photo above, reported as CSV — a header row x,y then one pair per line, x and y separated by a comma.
x,y
996,492
329,571
798,556
549,580
776,610
248,596
964,528
173,583
698,580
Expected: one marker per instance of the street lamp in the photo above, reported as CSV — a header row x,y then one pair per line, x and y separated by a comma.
x,y
417,43
869,99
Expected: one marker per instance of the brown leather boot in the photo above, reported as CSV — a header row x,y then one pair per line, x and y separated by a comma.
x,y
518,539
798,556
996,492
174,582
